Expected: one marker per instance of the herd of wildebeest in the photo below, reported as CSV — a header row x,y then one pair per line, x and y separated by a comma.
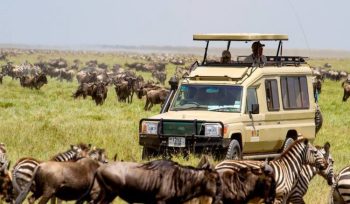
x,y
84,174
94,77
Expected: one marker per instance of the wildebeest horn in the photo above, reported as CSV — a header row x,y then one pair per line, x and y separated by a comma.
x,y
205,163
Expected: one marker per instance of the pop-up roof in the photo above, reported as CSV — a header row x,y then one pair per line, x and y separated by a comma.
x,y
239,37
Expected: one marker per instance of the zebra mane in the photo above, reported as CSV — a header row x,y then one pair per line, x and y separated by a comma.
x,y
297,142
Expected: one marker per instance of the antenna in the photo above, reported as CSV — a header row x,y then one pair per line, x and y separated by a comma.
x,y
300,25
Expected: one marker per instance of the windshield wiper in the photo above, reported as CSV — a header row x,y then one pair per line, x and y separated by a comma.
x,y
190,108
223,108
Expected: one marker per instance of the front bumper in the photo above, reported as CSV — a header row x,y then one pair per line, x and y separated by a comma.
x,y
194,141
155,142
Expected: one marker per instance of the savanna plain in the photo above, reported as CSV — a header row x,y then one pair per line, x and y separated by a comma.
x,y
41,123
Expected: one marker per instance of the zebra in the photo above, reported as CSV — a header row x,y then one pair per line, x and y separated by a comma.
x,y
287,166
308,172
23,170
340,192
3,156
74,153
98,154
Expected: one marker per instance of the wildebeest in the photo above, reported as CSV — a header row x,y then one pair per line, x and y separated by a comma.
x,y
287,167
86,77
84,89
160,76
155,97
143,89
241,184
6,188
159,181
64,180
123,91
36,81
97,90
99,93
1,76
346,86
23,170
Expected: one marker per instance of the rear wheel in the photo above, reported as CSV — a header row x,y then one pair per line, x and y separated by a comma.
x,y
234,150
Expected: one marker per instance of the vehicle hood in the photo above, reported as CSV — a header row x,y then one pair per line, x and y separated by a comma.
x,y
224,117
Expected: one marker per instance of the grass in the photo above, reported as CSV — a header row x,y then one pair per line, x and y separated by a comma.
x,y
41,123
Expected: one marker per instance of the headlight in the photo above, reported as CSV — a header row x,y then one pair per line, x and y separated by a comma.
x,y
212,129
149,127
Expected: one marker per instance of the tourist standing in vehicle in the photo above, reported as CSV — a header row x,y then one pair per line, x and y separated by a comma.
x,y
225,57
257,56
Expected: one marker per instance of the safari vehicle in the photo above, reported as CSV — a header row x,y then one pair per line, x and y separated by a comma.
x,y
235,110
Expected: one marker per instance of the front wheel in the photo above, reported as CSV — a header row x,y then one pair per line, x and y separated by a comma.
x,y
234,151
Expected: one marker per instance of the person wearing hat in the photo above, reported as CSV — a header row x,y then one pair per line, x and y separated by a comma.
x,y
257,56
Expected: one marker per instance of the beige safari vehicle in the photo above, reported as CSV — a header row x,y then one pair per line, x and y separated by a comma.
x,y
237,109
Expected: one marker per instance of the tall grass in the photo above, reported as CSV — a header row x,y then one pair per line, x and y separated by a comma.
x,y
41,123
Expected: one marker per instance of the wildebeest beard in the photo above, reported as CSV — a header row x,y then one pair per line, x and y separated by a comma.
x,y
156,181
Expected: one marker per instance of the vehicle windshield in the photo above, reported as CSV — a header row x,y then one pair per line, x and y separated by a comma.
x,y
208,97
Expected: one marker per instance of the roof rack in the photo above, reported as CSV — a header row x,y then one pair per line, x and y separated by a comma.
x,y
239,37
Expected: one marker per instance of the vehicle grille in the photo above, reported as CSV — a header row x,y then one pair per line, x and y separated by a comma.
x,y
177,128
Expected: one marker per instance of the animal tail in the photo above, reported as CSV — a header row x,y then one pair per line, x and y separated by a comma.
x,y
342,84
20,198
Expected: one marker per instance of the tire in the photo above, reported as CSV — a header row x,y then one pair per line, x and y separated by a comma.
x,y
289,141
234,150
148,153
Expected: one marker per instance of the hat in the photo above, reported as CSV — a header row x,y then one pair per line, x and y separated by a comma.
x,y
257,44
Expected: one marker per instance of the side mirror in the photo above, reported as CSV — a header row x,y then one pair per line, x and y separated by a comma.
x,y
254,109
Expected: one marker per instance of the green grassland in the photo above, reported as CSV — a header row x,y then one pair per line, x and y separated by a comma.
x,y
41,123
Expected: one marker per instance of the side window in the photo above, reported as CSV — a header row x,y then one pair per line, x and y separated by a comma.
x,y
294,92
272,95
251,98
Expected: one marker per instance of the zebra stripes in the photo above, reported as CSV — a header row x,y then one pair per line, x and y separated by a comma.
x,y
308,172
3,156
23,170
341,189
287,167
76,152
